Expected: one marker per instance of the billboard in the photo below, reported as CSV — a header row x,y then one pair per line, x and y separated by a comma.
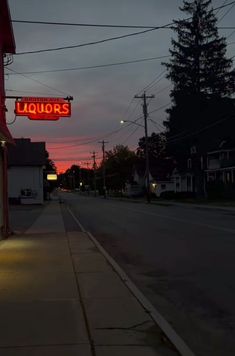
x,y
43,108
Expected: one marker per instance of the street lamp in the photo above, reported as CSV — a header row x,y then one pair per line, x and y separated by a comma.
x,y
132,122
146,152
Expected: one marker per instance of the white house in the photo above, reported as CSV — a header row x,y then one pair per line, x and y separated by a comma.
x,y
26,161
159,177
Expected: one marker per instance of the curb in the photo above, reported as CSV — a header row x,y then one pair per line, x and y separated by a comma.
x,y
167,329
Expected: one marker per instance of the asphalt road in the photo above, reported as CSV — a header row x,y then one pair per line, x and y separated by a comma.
x,y
182,258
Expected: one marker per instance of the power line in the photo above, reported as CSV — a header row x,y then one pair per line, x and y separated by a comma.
x,y
91,43
97,138
160,108
154,81
226,13
130,116
221,5
159,79
37,81
106,135
107,39
93,67
200,130
108,25
130,135
230,35
87,24
163,89
28,91
156,125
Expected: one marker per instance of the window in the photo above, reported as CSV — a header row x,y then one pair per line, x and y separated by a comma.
x,y
163,186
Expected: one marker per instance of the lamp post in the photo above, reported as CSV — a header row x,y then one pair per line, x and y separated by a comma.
x,y
146,154
144,97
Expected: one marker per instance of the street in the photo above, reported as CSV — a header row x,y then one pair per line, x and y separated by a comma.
x,y
181,258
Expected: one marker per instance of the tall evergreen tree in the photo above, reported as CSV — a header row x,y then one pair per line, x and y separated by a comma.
x,y
202,76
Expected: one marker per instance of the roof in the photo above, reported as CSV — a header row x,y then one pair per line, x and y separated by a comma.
x,y
160,170
8,40
228,144
26,153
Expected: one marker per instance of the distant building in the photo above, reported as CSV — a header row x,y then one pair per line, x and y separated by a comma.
x,y
26,161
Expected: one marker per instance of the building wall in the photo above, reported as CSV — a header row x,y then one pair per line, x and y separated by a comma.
x,y
183,183
26,183
160,187
1,193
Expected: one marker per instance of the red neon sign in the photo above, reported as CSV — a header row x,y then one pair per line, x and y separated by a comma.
x,y
43,108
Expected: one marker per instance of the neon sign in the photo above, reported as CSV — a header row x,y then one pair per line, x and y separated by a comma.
x,y
51,176
43,108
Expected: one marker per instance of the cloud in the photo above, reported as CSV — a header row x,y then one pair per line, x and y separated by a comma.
x,y
102,96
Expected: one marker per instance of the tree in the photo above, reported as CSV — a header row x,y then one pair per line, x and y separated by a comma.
x,y
119,164
202,78
156,146
76,177
50,164
48,186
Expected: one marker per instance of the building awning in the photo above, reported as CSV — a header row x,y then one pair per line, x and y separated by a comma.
x,y
5,134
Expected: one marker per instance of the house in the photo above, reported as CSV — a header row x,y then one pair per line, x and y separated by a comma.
x,y
184,181
220,172
26,162
160,178
7,48
211,174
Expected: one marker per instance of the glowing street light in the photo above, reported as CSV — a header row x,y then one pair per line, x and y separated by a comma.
x,y
132,122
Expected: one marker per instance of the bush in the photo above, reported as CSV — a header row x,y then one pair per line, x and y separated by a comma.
x,y
168,194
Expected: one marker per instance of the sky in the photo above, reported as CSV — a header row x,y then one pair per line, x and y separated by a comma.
x,y
104,95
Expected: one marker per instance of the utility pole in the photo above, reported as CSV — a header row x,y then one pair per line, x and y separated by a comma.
x,y
94,168
104,180
145,111
87,176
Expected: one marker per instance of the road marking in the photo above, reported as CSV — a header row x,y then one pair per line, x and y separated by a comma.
x,y
167,329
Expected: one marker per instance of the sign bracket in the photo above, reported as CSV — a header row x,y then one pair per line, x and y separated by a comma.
x,y
16,97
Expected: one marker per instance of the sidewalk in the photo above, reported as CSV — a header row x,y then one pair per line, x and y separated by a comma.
x,y
60,297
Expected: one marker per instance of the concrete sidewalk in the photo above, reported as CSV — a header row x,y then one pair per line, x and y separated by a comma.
x,y
59,296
